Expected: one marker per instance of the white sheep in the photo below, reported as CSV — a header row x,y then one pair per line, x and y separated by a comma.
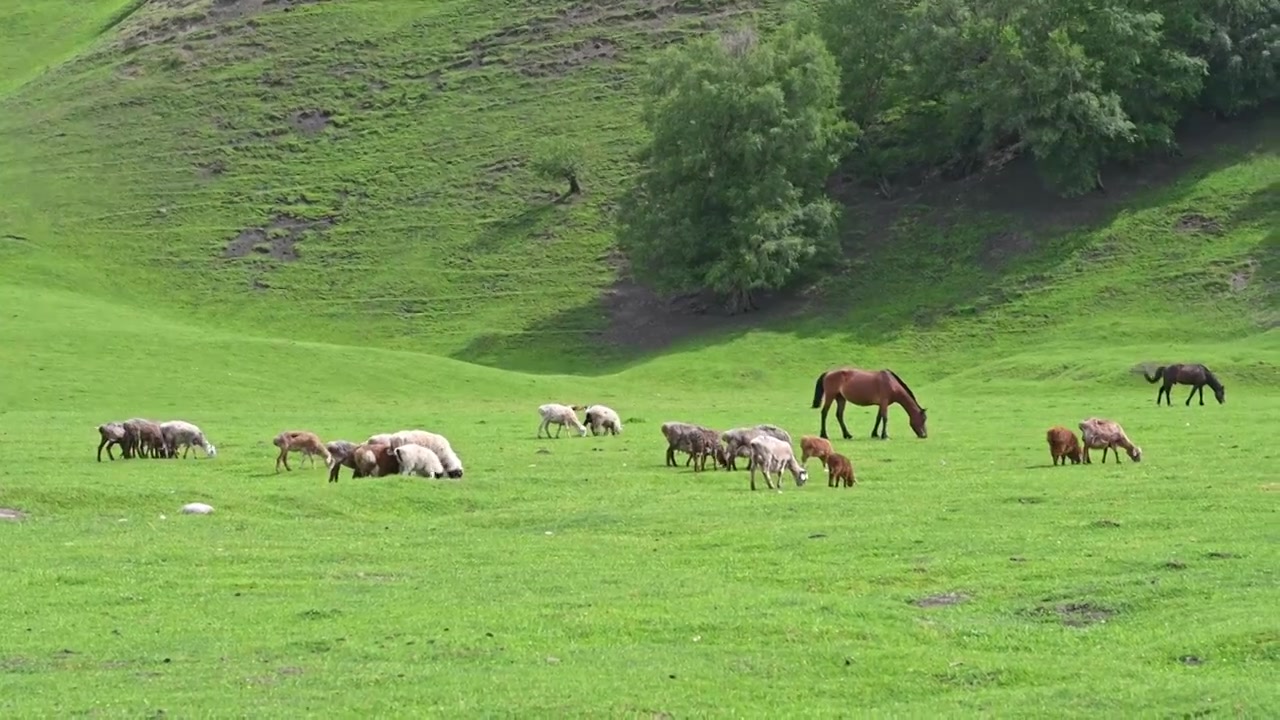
x,y
418,460
434,442
559,415
180,433
379,439
1107,434
771,455
601,418
737,442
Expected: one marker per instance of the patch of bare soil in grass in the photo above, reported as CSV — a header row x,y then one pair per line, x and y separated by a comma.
x,y
565,58
277,240
942,600
162,21
309,122
510,46
1073,614
12,514
1195,222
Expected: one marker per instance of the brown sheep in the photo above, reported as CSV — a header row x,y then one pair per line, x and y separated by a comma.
x,y
1107,434
1063,445
839,468
376,460
304,441
814,446
700,442
151,442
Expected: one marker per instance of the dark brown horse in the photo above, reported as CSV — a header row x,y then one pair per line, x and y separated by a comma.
x,y
865,388
1197,376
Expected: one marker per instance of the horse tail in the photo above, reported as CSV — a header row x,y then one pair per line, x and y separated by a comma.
x,y
1159,374
817,391
904,385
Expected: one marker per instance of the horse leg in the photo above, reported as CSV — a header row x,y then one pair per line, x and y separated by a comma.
x,y
1200,389
882,418
840,404
825,407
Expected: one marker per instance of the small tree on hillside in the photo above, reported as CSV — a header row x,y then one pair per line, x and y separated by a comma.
x,y
560,160
730,195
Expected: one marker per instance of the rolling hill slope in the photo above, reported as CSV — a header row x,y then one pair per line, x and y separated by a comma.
x,y
269,214
353,173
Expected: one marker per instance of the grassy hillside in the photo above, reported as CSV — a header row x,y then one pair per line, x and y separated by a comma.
x,y
386,145
357,173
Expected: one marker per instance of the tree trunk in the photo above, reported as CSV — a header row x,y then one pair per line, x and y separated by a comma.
x,y
740,301
574,187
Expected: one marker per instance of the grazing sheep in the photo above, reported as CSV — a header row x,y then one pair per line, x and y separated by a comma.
x,y
151,442
375,460
418,460
698,441
737,441
304,441
338,449
559,415
814,446
1063,445
772,455
434,442
603,419
379,439
112,433
180,433
839,468
342,454
1107,434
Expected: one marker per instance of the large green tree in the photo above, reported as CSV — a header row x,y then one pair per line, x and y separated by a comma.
x,y
744,133
952,85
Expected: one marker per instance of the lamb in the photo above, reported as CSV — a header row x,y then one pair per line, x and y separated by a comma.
x,y
814,446
771,455
418,460
1063,445
1107,434
434,442
738,440
182,433
112,433
560,415
700,442
839,468
603,419
375,460
305,441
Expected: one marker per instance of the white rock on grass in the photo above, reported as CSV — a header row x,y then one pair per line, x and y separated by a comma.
x,y
196,509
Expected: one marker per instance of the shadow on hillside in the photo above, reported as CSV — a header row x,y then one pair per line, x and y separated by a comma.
x,y
942,250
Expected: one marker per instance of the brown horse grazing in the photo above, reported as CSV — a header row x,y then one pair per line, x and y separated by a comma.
x,y
867,387
1196,376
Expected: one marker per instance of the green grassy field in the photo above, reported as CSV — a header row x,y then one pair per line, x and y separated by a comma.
x,y
440,288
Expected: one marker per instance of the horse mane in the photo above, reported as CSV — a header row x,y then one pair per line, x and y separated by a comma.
x,y
1211,379
904,386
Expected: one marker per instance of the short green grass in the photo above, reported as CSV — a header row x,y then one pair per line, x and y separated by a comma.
x,y
590,579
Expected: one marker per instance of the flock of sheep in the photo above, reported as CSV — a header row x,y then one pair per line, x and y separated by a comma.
x,y
767,448
139,437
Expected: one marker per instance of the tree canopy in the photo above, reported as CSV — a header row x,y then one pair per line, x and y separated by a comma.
x,y
744,132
